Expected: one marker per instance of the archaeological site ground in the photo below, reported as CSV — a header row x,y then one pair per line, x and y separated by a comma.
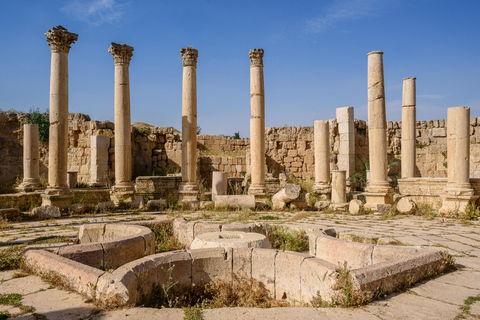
x,y
345,219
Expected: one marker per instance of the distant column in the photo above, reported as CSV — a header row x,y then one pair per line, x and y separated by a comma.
x,y
458,193
188,191
379,190
346,132
257,124
123,189
219,183
57,193
339,186
31,159
321,137
409,123
99,160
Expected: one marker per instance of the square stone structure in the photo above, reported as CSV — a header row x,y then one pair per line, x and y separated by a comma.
x,y
99,146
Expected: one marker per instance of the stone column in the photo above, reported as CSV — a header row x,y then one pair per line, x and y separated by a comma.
x,y
458,192
409,126
31,159
123,189
188,190
219,183
57,193
379,190
339,186
321,139
257,124
99,160
346,132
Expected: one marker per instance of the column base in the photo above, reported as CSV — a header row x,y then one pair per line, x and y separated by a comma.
x,y
122,193
59,197
375,195
455,199
188,194
323,190
258,190
30,186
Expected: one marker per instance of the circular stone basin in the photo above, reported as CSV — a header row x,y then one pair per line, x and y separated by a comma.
x,y
230,239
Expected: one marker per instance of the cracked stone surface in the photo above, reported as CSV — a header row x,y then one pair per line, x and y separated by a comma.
x,y
438,298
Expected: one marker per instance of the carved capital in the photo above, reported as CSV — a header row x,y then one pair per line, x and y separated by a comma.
x,y
59,39
122,54
189,56
256,57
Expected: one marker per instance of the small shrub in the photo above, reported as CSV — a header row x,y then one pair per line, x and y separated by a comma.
x,y
43,121
11,257
165,240
291,240
11,299
472,212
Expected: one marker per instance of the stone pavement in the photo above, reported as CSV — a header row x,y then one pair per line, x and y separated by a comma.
x,y
439,298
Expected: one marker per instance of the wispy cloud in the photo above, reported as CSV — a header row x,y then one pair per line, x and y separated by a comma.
x,y
94,12
344,10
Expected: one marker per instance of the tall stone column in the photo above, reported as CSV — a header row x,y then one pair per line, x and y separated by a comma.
x,y
409,126
31,159
188,191
458,192
339,186
321,139
57,193
379,190
123,189
346,132
99,160
257,124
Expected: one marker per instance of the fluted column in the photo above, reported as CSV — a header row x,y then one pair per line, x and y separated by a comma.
x,y
321,137
458,192
379,190
57,193
409,123
188,191
31,159
257,124
123,189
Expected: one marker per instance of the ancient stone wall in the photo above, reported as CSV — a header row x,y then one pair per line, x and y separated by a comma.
x,y
157,151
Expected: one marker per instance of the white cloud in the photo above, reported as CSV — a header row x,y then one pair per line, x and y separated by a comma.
x,y
344,10
94,12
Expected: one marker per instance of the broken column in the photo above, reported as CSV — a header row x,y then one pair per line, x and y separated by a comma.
x,y
321,137
99,160
379,190
409,123
257,125
458,192
123,189
188,190
339,186
346,132
219,183
31,159
57,193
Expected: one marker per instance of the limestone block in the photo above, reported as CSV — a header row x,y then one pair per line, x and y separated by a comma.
x,y
230,239
317,277
212,263
156,205
242,262
321,205
380,208
235,201
203,227
82,207
105,206
356,207
439,132
180,263
138,203
263,268
46,212
117,253
287,275
236,226
337,251
406,206
90,254
118,288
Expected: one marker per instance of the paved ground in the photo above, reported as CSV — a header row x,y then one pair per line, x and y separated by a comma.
x,y
440,298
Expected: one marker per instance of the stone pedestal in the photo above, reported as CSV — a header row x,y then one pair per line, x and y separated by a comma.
x,y
346,132
57,193
339,186
219,183
379,190
458,193
72,179
31,159
321,137
409,126
188,191
99,160
257,125
123,189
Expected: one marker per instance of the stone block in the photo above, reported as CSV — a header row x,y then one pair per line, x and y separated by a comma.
x,y
47,212
90,254
356,207
209,264
236,226
263,268
156,205
118,288
406,206
173,266
242,262
287,275
120,252
235,201
203,227
337,251
316,279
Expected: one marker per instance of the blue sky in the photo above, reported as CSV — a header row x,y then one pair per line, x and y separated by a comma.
x,y
315,56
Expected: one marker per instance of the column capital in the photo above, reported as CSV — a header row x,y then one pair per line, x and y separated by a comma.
x,y
375,52
189,56
59,39
122,54
256,57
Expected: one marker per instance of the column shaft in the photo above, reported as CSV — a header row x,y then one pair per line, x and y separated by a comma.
x,y
31,159
346,132
321,139
189,125
409,126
